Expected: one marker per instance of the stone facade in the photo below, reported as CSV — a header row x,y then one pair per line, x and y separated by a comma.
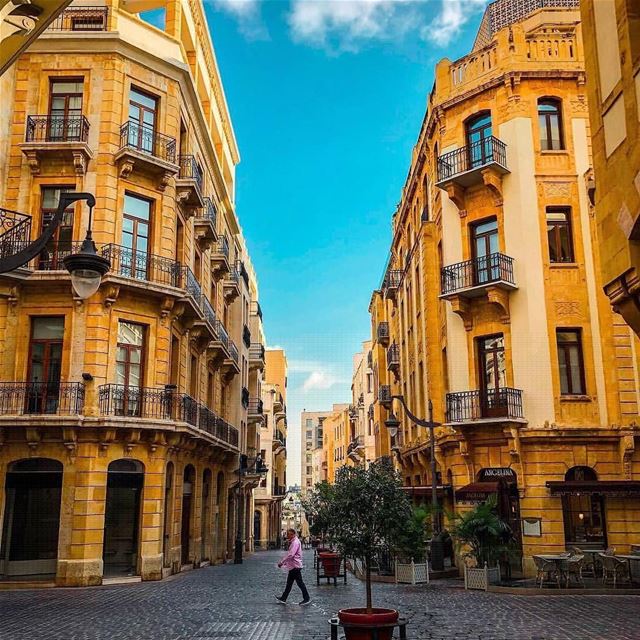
x,y
492,310
131,409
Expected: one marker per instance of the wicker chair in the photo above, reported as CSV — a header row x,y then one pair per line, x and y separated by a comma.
x,y
547,571
573,567
614,569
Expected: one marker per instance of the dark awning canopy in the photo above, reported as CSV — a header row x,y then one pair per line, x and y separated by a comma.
x,y
477,491
441,490
613,488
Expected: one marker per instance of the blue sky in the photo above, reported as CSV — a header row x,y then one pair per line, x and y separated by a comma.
x,y
326,99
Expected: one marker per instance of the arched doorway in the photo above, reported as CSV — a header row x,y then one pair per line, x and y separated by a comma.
x,y
257,528
125,480
31,518
168,515
583,511
205,524
187,497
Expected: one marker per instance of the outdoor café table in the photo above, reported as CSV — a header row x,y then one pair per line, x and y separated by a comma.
x,y
559,559
629,558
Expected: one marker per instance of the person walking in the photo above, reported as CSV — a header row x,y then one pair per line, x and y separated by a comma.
x,y
293,562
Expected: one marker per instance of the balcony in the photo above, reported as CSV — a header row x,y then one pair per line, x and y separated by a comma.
x,y
81,19
483,162
55,138
491,405
15,232
278,402
391,283
255,309
142,147
384,395
204,224
255,411
231,285
51,258
257,356
242,271
382,333
490,277
393,359
163,404
189,183
279,441
223,351
356,447
41,398
246,336
279,490
220,257
245,397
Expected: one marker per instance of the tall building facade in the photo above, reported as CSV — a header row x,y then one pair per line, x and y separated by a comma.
x,y
125,417
311,429
611,31
491,307
362,447
273,452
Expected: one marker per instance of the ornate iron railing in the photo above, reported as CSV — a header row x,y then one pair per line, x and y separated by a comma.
x,y
384,393
81,19
209,313
15,232
278,436
57,128
139,265
356,443
233,276
26,398
256,351
464,406
476,272
222,334
145,139
246,336
382,331
190,170
51,258
472,156
393,356
222,246
190,284
245,397
256,406
392,279
233,351
208,212
242,271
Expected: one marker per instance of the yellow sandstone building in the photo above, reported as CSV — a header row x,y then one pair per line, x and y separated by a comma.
x,y
492,306
128,421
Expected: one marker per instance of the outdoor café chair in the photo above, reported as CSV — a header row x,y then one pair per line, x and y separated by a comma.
x,y
547,571
614,569
573,567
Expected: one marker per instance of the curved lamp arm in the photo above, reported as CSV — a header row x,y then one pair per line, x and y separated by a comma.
x,y
34,248
429,424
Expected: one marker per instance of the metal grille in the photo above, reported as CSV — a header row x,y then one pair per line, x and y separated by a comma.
x,y
480,271
147,140
15,232
81,19
503,13
142,266
473,156
58,398
465,406
190,170
57,129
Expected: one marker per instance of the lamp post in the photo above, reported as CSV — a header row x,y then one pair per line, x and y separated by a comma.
x,y
86,267
393,424
247,465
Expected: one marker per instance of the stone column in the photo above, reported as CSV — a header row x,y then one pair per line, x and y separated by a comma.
x,y
152,519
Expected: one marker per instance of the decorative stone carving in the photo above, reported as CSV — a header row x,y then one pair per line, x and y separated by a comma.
x,y
568,308
33,161
165,179
557,189
462,307
456,194
111,293
499,298
79,163
126,167
627,449
493,181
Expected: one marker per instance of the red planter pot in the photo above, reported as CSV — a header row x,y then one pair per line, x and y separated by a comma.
x,y
369,622
330,563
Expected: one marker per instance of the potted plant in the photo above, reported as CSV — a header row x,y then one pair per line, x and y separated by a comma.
x,y
367,513
409,548
486,539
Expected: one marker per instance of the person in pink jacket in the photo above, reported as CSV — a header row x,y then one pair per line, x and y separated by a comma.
x,y
293,562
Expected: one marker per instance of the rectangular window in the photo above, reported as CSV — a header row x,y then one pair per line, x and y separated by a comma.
x,y
59,245
65,109
136,220
45,364
130,354
559,235
550,124
570,361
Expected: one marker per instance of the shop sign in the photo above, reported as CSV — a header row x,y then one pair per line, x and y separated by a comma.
x,y
497,473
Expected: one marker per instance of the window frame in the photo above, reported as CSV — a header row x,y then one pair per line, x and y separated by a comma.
x,y
565,347
131,347
547,139
568,224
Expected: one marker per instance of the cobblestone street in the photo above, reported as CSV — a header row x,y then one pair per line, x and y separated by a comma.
x,y
236,602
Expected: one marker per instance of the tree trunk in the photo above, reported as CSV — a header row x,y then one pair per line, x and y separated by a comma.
x,y
368,583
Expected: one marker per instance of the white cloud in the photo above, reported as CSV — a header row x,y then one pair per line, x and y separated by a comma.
x,y
247,15
239,8
454,14
320,380
317,375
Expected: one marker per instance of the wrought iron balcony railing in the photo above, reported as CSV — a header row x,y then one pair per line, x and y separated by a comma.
x,y
392,279
279,437
246,336
242,271
190,284
233,351
480,271
209,313
382,332
147,140
222,246
57,128
139,265
384,394
15,232
356,443
208,212
279,490
468,406
255,309
256,407
479,154
78,18
51,258
393,356
256,351
28,398
245,397
190,170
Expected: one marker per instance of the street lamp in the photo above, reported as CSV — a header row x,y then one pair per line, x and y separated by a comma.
x,y
393,424
85,267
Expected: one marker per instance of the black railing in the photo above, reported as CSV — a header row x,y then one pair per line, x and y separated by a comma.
x,y
208,212
392,279
242,271
233,276
256,351
370,412
143,266
473,156
15,232
255,309
81,19
51,258
476,272
147,140
382,331
53,128
278,436
57,398
209,313
222,246
190,284
465,406
246,336
163,404
393,356
356,443
384,393
190,170
256,407
245,397
279,490
233,351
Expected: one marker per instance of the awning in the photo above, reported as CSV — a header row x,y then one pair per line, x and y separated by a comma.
x,y
477,491
441,490
613,488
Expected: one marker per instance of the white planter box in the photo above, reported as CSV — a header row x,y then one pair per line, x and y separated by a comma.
x,y
412,573
481,577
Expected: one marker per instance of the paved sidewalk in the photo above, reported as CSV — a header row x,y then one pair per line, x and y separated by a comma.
x,y
233,602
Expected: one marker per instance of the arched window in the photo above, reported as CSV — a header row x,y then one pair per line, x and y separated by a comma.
x,y
550,123
479,134
583,511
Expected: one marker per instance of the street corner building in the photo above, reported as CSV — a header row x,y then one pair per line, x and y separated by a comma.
x,y
129,422
492,305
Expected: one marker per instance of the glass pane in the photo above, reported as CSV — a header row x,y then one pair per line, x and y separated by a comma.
x,y
134,375
574,359
134,112
554,255
66,87
142,98
567,336
120,373
129,333
134,355
564,380
555,132
137,207
37,362
47,328
566,250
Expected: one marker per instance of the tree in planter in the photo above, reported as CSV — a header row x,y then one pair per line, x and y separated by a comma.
x,y
368,512
487,537
317,506
410,541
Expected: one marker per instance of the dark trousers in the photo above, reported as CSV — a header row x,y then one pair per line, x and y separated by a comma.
x,y
295,575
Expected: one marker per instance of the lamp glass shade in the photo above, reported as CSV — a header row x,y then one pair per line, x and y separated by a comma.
x,y
393,431
85,282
